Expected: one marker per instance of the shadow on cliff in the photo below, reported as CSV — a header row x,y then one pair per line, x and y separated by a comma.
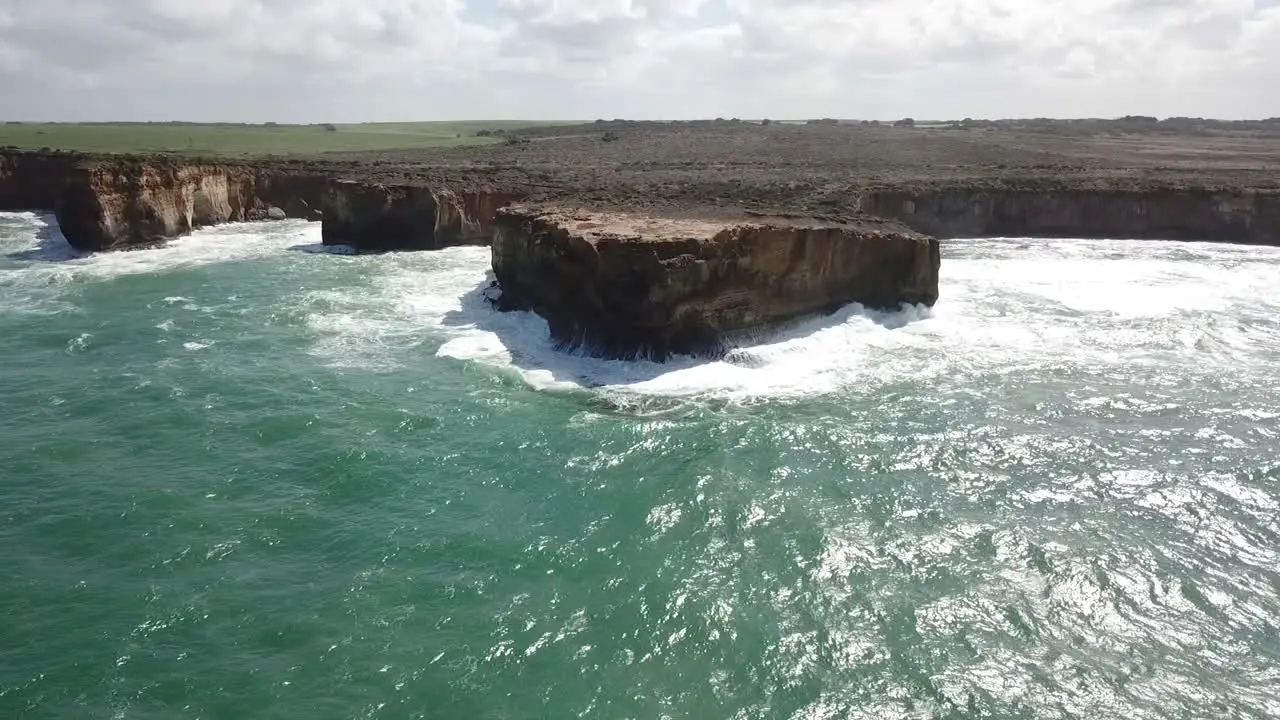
x,y
51,246
527,340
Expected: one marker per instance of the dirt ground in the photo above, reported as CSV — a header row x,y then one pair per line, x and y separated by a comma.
x,y
815,169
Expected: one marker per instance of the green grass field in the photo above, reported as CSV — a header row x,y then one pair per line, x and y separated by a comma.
x,y
229,139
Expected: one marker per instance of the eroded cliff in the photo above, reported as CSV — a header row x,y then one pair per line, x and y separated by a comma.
x,y
1168,213
623,286
379,217
110,205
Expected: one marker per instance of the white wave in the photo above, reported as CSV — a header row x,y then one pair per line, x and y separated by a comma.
x,y
1005,305
79,344
39,233
1119,306
38,267
442,295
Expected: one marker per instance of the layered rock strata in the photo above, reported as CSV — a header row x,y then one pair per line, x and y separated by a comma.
x,y
111,205
625,286
118,203
1166,213
378,217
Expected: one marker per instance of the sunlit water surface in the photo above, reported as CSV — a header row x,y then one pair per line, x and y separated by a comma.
x,y
243,478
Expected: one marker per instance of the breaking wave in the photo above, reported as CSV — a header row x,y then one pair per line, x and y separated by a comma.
x,y
1053,495
1118,309
1117,306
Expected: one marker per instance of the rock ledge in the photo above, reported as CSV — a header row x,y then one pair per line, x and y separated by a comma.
x,y
624,286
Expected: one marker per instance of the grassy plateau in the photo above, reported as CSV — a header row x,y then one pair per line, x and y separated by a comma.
x,y
237,139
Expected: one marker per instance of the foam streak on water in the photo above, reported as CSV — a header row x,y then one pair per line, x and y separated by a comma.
x,y
243,478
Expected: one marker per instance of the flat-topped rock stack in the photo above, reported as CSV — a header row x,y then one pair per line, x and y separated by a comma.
x,y
625,285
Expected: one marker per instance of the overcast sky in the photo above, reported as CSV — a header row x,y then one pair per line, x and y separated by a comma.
x,y
365,60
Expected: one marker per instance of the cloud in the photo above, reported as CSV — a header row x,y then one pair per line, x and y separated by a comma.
x,y
341,60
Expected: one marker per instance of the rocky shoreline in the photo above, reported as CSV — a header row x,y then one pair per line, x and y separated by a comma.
x,y
653,277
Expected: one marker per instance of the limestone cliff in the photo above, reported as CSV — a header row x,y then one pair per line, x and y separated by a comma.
x,y
1244,216
109,202
112,205
623,286
108,205
378,217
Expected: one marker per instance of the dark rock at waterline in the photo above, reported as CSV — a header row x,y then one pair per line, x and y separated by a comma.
x,y
269,212
380,217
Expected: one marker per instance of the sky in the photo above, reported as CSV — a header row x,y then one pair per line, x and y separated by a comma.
x,y
401,60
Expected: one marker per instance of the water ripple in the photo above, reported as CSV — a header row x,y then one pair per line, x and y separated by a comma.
x,y
241,481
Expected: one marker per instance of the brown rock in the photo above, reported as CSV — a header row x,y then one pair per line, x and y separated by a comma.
x,y
109,205
1240,215
623,286
112,205
378,217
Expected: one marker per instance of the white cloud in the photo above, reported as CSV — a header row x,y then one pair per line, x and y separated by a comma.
x,y
312,60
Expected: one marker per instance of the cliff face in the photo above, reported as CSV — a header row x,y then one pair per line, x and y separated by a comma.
x,y
108,206
128,203
298,195
379,217
624,286
1246,216
466,217
115,203
33,181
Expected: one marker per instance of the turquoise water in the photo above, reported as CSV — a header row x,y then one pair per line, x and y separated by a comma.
x,y
240,478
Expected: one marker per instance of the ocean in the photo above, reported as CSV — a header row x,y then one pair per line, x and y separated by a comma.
x,y
242,477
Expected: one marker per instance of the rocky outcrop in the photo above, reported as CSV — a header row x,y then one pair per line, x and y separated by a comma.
x,y
110,205
34,180
378,217
1168,213
623,286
